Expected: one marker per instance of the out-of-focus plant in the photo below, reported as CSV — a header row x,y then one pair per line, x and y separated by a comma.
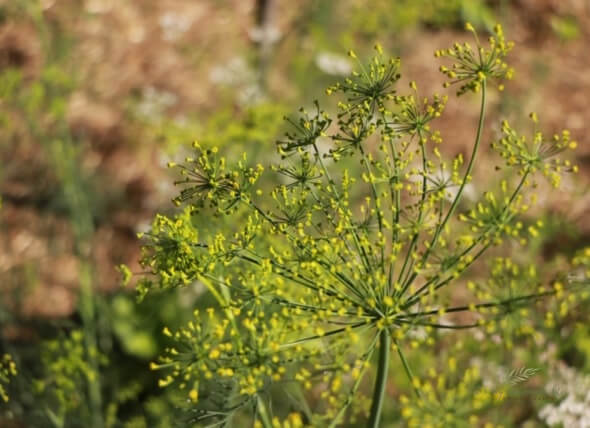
x,y
450,400
409,13
566,28
7,371
73,384
311,287
34,111
230,131
66,372
39,109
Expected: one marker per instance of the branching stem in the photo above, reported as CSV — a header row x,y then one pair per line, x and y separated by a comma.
x,y
466,178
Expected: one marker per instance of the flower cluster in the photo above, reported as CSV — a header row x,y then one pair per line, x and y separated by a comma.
x,y
334,256
571,290
66,373
512,288
415,113
471,67
222,360
492,218
293,420
302,172
373,85
7,371
209,180
538,155
307,130
569,389
448,400
581,262
169,253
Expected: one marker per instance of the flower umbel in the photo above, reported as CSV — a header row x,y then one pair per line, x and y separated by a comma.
x,y
472,66
539,154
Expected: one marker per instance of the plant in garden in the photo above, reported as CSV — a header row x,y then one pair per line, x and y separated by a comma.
x,y
448,399
353,250
66,372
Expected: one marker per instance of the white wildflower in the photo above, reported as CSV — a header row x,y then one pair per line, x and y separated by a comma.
x,y
174,25
154,102
571,390
267,35
234,72
334,64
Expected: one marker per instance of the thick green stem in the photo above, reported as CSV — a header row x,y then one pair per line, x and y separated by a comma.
x,y
381,380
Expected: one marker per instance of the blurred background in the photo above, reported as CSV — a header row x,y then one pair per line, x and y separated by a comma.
x,y
96,96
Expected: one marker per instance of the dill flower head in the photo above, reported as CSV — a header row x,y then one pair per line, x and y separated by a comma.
x,y
538,153
474,65
211,182
339,262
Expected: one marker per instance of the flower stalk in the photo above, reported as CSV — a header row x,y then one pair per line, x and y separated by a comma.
x,y
381,379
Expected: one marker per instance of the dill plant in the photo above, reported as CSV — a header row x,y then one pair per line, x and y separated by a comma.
x,y
66,373
329,272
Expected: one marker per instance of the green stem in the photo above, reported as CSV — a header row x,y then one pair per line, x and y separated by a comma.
x,y
367,357
376,197
416,296
360,248
396,200
420,213
379,391
466,178
407,368
263,413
